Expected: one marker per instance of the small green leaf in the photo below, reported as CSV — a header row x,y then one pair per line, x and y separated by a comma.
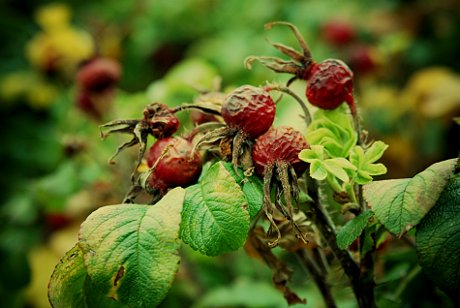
x,y
215,219
317,171
400,204
376,169
335,170
438,240
131,250
357,156
70,285
375,151
352,229
315,152
336,166
364,162
334,130
362,178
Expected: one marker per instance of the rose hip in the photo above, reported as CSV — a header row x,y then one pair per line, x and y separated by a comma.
x,y
250,110
330,83
99,74
174,164
279,145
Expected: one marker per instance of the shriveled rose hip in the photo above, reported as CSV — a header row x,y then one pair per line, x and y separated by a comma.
x,y
279,145
250,110
330,83
176,165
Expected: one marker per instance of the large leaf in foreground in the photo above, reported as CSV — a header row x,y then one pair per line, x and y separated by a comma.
x,y
214,218
400,204
438,240
131,250
70,285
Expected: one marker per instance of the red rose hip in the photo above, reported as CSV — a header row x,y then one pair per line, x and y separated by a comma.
x,y
99,74
250,110
177,167
330,83
279,145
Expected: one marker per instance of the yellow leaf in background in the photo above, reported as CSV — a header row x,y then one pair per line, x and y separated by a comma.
x,y
110,44
434,92
42,261
41,95
53,16
400,155
63,240
15,84
60,46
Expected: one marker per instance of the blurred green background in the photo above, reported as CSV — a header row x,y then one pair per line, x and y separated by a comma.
x,y
404,55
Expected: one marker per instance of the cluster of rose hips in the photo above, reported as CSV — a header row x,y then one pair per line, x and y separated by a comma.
x,y
241,131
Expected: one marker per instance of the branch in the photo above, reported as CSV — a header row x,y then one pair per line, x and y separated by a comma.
x,y
318,275
327,230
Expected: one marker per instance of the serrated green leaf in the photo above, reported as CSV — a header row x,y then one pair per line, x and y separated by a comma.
x,y
400,204
70,285
252,187
317,171
237,174
253,191
131,250
438,239
352,229
215,219
65,288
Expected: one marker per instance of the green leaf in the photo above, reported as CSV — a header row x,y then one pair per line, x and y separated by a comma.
x,y
131,250
438,239
252,187
400,204
357,156
70,285
315,152
375,151
317,170
320,168
352,229
334,130
364,162
253,191
376,169
336,166
215,219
